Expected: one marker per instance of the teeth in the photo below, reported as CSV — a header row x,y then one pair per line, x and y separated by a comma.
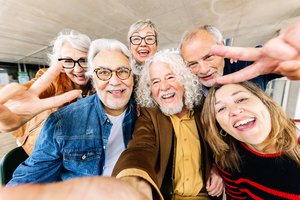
x,y
243,122
167,95
77,75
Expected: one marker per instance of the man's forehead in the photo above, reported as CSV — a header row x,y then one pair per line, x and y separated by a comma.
x,y
198,46
205,35
160,69
202,38
111,59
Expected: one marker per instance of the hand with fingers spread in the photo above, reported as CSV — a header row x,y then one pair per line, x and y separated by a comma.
x,y
280,55
19,104
68,65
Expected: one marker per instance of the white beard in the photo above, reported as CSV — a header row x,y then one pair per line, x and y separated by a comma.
x,y
172,111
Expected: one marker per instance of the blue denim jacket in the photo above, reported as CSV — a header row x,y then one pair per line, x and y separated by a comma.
x,y
72,143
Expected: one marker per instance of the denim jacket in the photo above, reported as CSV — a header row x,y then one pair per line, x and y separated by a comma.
x,y
72,143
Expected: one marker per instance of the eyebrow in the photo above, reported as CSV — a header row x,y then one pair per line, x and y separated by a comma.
x,y
152,79
207,55
107,67
235,93
69,57
152,33
164,76
204,57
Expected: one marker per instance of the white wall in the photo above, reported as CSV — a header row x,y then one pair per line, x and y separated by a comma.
x,y
287,94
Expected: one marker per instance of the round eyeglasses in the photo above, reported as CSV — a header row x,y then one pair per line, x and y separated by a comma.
x,y
69,63
137,40
105,74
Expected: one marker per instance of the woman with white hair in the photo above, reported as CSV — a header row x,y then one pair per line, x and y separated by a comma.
x,y
69,53
143,42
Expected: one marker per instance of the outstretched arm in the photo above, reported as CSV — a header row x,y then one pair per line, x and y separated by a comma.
x,y
279,55
18,104
87,188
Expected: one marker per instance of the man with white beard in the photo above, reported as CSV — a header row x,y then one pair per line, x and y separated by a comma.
x,y
168,156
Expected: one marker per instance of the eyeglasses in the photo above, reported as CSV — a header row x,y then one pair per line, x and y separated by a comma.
x,y
105,74
69,63
137,40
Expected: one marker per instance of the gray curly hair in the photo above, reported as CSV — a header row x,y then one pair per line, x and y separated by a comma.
x,y
76,39
191,84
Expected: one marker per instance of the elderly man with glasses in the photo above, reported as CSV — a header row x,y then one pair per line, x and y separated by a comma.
x,y
87,137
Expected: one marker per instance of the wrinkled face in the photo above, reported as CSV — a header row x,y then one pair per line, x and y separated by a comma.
x,y
195,53
166,90
242,115
114,93
76,74
143,50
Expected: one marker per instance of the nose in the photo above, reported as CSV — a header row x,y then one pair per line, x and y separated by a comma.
x,y
77,68
164,86
114,80
234,110
204,68
143,42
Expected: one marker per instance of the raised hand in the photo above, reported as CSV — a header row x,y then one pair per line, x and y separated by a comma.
x,y
18,104
279,55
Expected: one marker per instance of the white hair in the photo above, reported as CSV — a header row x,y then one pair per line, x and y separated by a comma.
x,y
105,45
76,39
140,25
137,26
214,31
191,84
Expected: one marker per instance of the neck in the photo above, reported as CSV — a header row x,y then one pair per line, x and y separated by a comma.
x,y
182,112
114,112
262,149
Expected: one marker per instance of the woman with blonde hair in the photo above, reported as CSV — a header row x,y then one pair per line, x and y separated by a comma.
x,y
255,144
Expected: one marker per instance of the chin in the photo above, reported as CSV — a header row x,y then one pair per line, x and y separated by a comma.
x,y
172,110
209,83
141,61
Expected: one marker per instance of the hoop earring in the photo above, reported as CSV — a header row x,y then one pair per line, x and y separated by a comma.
x,y
222,134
